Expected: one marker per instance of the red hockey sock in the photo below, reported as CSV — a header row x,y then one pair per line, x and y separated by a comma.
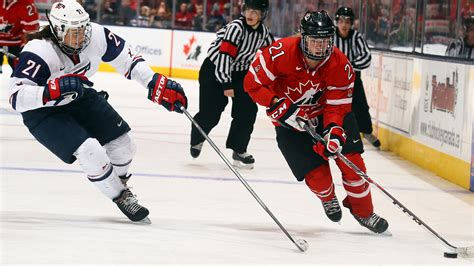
x,y
359,199
319,180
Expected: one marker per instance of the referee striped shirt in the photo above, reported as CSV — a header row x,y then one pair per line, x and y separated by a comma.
x,y
459,48
355,48
235,48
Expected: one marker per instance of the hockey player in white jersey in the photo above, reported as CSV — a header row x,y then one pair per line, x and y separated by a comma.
x,y
50,88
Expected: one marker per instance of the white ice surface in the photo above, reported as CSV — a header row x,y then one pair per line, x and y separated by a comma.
x,y
50,213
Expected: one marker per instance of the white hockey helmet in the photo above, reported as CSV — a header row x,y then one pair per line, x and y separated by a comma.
x,y
69,15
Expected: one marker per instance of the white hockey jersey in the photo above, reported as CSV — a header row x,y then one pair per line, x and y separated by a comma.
x,y
42,60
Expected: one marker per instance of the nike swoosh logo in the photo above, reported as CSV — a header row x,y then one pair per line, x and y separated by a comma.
x,y
61,68
120,123
356,140
298,68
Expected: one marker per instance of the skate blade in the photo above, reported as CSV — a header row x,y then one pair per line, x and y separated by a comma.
x,y
386,233
145,220
241,165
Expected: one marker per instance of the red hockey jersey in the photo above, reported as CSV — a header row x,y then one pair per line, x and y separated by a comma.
x,y
280,71
16,19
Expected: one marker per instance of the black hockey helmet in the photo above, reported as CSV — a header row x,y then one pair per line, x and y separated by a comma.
x,y
317,26
468,21
345,12
261,5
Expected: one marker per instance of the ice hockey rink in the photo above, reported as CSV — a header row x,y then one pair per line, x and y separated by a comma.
x,y
201,213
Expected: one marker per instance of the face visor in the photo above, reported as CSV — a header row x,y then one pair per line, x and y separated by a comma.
x,y
75,39
316,47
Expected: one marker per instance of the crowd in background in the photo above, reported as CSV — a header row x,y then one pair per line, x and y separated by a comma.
x,y
189,14
403,25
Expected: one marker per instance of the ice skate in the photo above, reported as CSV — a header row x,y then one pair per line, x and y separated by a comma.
x,y
243,160
128,204
124,179
333,209
372,139
196,150
374,223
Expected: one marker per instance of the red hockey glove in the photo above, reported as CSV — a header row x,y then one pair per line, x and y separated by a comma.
x,y
335,137
287,114
166,92
65,89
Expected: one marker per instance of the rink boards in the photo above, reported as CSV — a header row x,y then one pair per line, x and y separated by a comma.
x,y
422,109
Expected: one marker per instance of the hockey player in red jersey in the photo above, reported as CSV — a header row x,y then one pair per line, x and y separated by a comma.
x,y
16,19
306,77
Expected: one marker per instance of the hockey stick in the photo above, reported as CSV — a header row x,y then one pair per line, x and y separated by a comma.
x,y
8,54
465,252
301,244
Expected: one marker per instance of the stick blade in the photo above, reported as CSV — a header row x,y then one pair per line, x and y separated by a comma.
x,y
465,252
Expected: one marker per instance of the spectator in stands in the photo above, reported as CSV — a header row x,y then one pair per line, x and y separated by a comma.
x,y
128,11
198,17
184,18
162,18
226,13
463,47
143,19
109,12
215,20
91,7
236,12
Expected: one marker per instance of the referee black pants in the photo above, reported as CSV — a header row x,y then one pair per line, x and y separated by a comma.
x,y
212,103
360,107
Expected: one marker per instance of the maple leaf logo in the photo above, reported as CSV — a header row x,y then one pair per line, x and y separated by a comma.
x,y
304,94
4,26
187,47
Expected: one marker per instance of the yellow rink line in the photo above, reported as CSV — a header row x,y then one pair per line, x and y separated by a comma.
x,y
448,167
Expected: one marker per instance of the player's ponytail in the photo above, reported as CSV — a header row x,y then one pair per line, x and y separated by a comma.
x,y
43,33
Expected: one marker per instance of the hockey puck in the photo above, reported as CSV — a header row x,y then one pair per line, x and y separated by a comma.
x,y
450,255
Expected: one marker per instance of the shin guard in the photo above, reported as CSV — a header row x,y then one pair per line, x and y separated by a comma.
x,y
319,181
359,199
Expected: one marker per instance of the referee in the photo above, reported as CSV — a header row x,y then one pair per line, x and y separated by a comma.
x,y
463,47
351,43
221,76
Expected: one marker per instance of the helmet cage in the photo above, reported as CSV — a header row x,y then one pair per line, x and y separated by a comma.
x,y
70,17
317,29
317,47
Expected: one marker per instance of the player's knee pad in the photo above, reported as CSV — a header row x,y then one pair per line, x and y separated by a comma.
x,y
93,159
319,181
121,151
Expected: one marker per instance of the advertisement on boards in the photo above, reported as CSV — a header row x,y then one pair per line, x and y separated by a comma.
x,y
441,106
394,101
190,49
153,44
370,77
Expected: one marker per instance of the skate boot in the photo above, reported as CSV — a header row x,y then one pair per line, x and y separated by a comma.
x,y
196,150
244,160
374,223
124,179
128,204
372,139
332,209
